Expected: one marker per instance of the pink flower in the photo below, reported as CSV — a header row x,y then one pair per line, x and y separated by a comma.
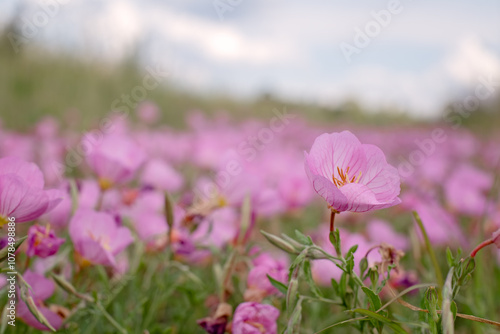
x,y
380,231
351,176
21,191
97,238
115,159
41,289
255,318
148,112
466,190
158,174
42,241
265,265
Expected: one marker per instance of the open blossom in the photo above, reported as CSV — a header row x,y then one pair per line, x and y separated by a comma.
x,y
42,241
114,159
97,238
351,176
21,191
255,318
41,289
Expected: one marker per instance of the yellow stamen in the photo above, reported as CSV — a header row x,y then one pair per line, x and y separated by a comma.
x,y
344,178
105,184
3,221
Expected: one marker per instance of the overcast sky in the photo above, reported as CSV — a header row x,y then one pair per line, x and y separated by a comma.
x,y
423,53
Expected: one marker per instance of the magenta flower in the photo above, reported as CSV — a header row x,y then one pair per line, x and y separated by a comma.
x,y
160,175
257,281
114,159
466,190
255,318
42,241
351,176
41,289
97,238
21,191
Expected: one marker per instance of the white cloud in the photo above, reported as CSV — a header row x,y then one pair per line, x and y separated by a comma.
x,y
470,60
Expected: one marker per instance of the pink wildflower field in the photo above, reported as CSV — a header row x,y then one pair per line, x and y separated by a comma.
x,y
177,168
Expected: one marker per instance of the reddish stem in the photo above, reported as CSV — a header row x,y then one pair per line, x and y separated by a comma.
x,y
332,221
480,246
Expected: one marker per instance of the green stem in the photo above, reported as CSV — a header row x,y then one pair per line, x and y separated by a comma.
x,y
111,319
437,269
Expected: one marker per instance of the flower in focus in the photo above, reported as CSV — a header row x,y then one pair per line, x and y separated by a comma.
x,y
42,241
41,289
255,318
115,159
97,238
351,176
21,191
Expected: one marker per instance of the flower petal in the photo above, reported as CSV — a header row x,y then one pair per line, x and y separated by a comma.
x,y
382,178
326,189
360,198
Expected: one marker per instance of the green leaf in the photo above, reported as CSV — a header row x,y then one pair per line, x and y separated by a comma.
x,y
376,303
303,239
4,252
32,307
391,324
278,285
335,287
314,288
352,250
343,285
449,257
363,265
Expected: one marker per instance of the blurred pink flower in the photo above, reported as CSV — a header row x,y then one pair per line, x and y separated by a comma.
x,y
148,112
115,159
255,318
21,191
265,265
466,190
41,289
160,175
351,176
147,215
380,231
97,238
441,226
42,241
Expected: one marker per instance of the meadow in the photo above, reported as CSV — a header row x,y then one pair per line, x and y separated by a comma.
x,y
182,213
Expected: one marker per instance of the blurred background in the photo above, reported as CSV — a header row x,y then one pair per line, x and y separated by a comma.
x,y
376,62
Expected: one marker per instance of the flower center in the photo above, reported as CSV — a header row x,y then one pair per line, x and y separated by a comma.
x,y
39,236
105,184
344,178
3,221
257,325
